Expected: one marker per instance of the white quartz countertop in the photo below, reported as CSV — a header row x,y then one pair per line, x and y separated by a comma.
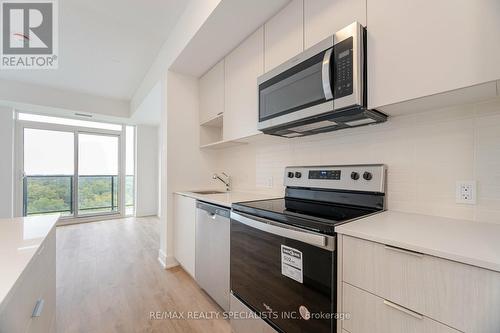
x,y
464,241
228,198
20,239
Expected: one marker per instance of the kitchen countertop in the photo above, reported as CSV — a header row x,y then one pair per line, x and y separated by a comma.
x,y
469,242
20,239
226,199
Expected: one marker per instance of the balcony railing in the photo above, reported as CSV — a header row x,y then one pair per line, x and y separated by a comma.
x,y
44,194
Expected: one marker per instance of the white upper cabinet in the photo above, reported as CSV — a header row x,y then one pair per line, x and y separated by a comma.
x,y
324,17
421,48
242,67
212,93
284,35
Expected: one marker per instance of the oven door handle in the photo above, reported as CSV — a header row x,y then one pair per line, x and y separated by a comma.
x,y
283,230
325,74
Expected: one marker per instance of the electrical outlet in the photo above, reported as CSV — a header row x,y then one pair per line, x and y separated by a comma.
x,y
466,192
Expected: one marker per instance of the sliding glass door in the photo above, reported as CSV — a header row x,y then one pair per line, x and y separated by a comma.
x,y
72,171
98,180
48,172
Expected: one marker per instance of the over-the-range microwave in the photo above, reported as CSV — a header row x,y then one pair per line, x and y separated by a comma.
x,y
322,89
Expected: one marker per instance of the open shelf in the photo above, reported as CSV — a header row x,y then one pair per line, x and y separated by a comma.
x,y
211,131
211,135
214,122
222,144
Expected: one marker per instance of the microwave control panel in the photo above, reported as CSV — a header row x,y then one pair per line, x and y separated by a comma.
x,y
343,60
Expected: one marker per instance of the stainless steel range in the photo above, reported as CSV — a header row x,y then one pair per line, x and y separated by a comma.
x,y
283,251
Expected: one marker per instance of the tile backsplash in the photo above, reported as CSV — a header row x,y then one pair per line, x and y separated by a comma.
x,y
426,153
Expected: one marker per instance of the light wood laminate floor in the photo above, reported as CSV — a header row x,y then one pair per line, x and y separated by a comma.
x,y
109,280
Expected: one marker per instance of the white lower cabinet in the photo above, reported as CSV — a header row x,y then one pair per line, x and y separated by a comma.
x,y
184,232
372,314
31,304
464,297
46,321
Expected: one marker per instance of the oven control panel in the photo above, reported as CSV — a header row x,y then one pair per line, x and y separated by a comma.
x,y
325,174
366,177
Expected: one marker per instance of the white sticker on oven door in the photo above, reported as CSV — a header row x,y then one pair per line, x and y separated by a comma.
x,y
291,263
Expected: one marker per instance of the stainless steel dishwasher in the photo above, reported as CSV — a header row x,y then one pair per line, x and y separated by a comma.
x,y
212,251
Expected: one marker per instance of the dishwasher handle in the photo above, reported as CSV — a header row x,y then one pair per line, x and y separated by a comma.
x,y
213,210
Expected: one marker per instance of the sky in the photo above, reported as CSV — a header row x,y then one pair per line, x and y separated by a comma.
x,y
52,153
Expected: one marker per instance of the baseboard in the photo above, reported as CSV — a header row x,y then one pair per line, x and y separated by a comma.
x,y
162,258
77,220
171,262
146,214
166,262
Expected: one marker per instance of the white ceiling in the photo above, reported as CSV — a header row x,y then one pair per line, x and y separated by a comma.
x,y
229,24
106,46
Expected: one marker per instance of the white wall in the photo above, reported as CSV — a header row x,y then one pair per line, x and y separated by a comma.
x,y
45,99
185,166
149,111
159,173
195,14
146,203
148,151
192,19
162,193
6,161
426,154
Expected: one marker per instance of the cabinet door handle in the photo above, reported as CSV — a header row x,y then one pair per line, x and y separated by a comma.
x,y
37,310
404,310
397,249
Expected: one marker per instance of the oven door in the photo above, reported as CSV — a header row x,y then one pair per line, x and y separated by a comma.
x,y
285,274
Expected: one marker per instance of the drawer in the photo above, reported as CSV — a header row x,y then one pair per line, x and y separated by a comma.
x,y
250,324
32,285
372,314
459,295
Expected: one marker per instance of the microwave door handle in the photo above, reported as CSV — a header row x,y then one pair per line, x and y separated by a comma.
x,y
325,74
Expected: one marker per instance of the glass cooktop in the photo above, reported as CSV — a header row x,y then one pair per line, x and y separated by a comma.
x,y
313,215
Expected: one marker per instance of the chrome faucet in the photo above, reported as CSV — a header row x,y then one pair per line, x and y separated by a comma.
x,y
226,180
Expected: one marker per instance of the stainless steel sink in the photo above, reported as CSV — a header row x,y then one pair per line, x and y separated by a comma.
x,y
208,192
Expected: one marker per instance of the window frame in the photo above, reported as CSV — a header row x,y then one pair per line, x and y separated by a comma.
x,y
75,217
